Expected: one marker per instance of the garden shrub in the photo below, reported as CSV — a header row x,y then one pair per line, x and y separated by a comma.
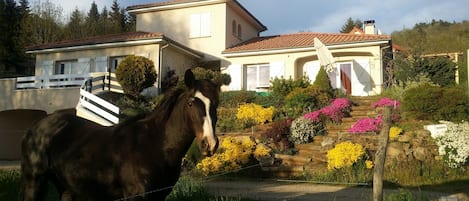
x,y
322,81
429,102
227,120
302,100
278,133
452,145
234,98
253,114
204,73
303,130
397,91
233,154
344,155
281,87
135,73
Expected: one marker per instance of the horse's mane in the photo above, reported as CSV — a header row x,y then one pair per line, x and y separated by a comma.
x,y
166,105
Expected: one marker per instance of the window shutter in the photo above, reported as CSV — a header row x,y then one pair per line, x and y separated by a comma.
x,y
277,69
47,67
236,73
195,26
83,66
205,22
101,64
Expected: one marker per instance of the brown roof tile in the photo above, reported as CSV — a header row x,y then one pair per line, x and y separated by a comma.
x,y
302,39
164,3
113,38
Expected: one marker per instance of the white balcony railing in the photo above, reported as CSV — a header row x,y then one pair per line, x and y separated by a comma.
x,y
51,81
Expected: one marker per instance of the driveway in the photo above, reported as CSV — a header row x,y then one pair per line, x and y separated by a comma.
x,y
272,190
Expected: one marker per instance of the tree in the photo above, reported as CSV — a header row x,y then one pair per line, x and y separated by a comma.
x,y
92,20
74,28
440,70
117,18
12,58
47,22
350,24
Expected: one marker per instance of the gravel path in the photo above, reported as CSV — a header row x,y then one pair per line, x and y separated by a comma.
x,y
288,191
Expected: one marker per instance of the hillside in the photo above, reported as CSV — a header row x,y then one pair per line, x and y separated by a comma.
x,y
435,37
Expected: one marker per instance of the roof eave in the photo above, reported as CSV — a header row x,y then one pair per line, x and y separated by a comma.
x,y
301,49
96,46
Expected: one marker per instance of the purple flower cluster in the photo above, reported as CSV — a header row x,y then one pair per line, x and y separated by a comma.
x,y
386,102
334,111
367,125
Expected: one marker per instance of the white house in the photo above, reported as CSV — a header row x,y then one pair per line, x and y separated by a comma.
x,y
222,34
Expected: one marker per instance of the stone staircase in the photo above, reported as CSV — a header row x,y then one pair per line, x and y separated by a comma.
x,y
311,157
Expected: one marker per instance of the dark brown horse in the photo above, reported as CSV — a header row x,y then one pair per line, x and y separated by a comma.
x,y
138,159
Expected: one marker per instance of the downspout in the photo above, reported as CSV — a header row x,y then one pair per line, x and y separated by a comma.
x,y
160,76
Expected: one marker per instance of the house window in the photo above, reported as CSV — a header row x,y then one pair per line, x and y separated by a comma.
x,y
240,31
200,25
114,62
65,67
233,28
257,76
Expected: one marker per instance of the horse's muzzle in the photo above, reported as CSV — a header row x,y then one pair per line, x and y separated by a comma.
x,y
208,147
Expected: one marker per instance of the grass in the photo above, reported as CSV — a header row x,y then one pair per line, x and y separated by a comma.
x,y
185,190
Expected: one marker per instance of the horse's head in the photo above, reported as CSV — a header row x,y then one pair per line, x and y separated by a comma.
x,y
202,108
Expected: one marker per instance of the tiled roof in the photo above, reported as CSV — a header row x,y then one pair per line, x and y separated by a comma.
x,y
302,39
164,3
113,38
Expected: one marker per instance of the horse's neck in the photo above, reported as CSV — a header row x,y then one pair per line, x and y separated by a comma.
x,y
178,138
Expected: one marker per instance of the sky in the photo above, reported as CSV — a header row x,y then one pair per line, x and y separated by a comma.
x,y
290,16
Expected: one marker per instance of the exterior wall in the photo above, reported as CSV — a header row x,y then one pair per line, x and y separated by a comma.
x,y
366,64
150,51
174,60
165,21
221,17
248,31
48,100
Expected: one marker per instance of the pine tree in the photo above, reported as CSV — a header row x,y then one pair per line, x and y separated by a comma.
x,y
350,24
92,20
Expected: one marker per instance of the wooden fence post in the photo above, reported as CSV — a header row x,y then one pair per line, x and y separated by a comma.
x,y
380,156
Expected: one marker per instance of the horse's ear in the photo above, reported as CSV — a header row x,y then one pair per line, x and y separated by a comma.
x,y
189,78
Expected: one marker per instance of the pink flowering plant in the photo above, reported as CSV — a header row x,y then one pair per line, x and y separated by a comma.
x,y
370,124
367,124
386,102
335,111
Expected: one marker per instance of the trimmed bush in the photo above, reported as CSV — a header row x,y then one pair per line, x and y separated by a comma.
x,y
135,73
429,102
204,73
322,81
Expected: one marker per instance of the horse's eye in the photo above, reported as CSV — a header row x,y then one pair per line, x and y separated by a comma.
x,y
191,101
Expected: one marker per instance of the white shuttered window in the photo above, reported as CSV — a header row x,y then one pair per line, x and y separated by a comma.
x,y
200,25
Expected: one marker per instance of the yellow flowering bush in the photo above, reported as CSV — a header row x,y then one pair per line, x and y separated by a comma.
x,y
344,154
232,154
255,113
394,132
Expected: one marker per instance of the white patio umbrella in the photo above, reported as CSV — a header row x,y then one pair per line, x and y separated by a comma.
x,y
324,55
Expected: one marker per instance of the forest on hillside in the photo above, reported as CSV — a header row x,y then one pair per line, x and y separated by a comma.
x,y
437,36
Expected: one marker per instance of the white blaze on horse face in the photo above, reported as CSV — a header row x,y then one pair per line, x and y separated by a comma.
x,y
207,126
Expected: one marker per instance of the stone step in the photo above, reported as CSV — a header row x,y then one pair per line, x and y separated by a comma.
x,y
292,160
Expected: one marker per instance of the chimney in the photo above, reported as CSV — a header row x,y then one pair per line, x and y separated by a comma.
x,y
369,26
